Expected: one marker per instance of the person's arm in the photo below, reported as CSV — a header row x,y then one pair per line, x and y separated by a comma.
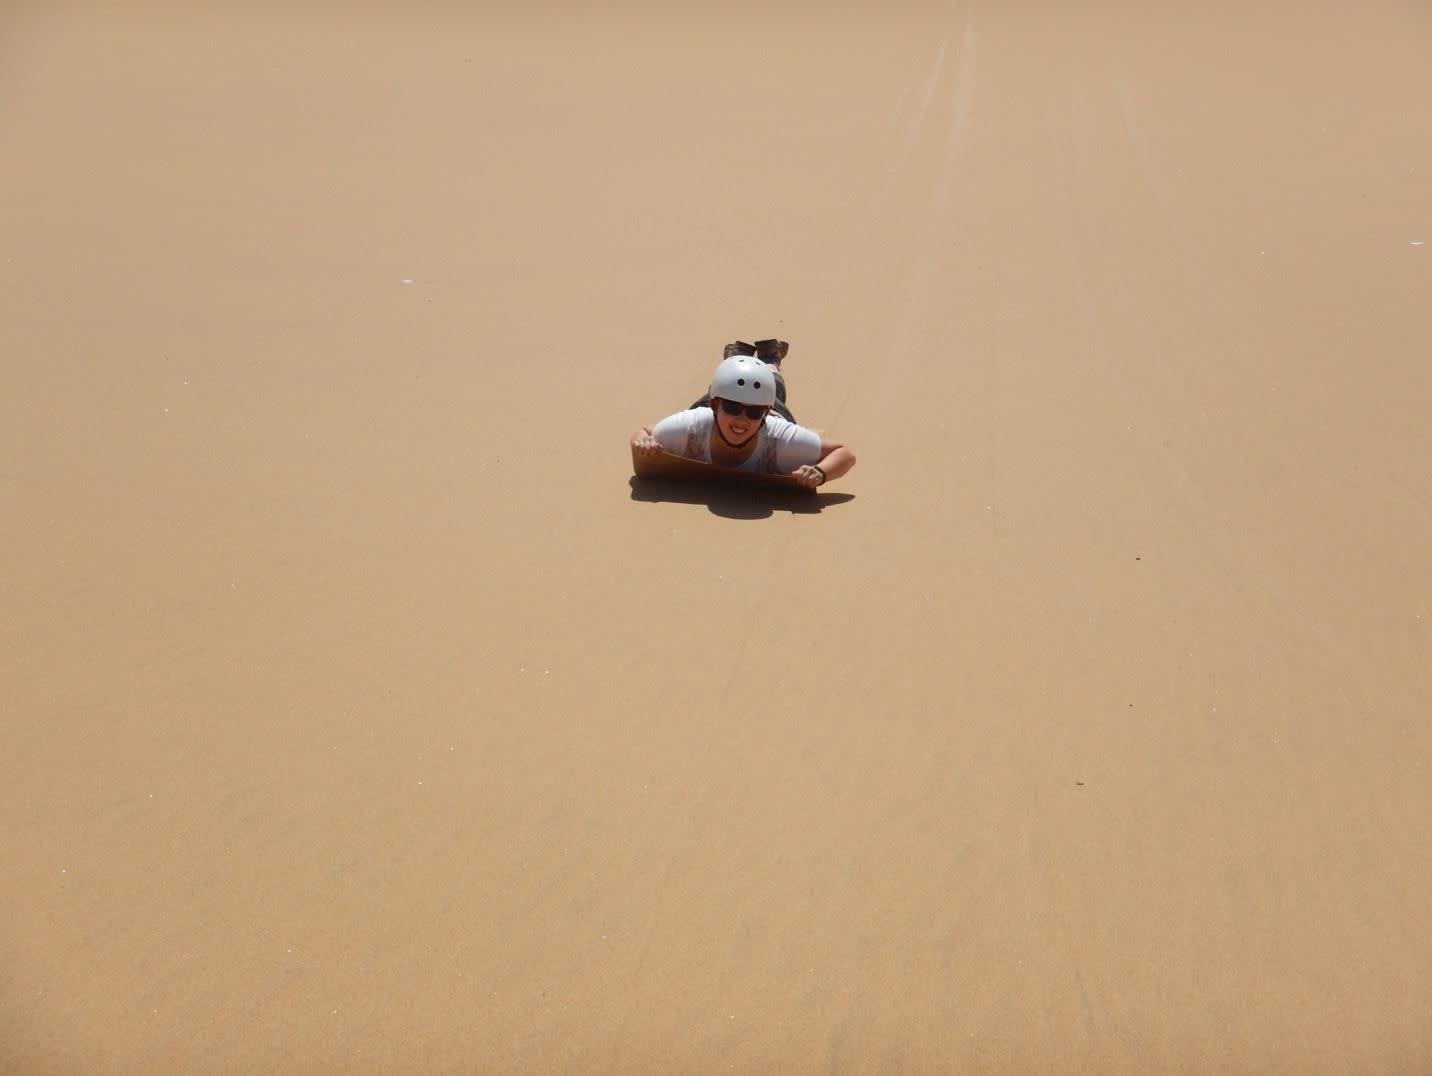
x,y
668,435
835,461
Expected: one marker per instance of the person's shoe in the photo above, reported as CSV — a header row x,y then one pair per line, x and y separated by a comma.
x,y
771,351
739,347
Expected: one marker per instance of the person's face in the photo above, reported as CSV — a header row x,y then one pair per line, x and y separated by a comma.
x,y
741,425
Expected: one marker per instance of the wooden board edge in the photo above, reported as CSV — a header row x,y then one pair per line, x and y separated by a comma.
x,y
665,465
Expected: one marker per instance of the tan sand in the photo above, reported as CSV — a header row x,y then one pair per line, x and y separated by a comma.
x,y
359,718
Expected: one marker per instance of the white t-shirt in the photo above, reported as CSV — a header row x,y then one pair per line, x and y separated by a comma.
x,y
781,446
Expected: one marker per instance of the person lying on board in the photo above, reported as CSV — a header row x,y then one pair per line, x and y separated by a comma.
x,y
738,429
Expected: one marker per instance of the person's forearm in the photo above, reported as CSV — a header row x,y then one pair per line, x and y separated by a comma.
x,y
837,463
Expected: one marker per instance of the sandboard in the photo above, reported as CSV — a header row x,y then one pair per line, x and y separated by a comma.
x,y
665,465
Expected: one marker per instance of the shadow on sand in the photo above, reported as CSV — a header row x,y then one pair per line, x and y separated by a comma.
x,y
735,502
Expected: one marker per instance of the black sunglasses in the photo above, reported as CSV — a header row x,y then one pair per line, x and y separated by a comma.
x,y
732,408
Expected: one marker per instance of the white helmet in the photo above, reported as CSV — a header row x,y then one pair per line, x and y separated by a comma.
x,y
745,380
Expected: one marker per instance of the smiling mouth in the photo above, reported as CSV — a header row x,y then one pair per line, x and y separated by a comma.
x,y
737,432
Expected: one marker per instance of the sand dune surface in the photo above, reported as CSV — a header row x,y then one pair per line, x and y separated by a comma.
x,y
361,715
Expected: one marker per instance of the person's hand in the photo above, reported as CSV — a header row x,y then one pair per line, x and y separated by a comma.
x,y
644,444
808,475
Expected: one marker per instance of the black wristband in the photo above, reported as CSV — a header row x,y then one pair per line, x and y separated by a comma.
x,y
821,469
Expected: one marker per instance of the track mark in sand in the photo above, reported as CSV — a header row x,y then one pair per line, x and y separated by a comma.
x,y
902,104
914,123
961,109
907,130
899,282
920,109
937,69
914,296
